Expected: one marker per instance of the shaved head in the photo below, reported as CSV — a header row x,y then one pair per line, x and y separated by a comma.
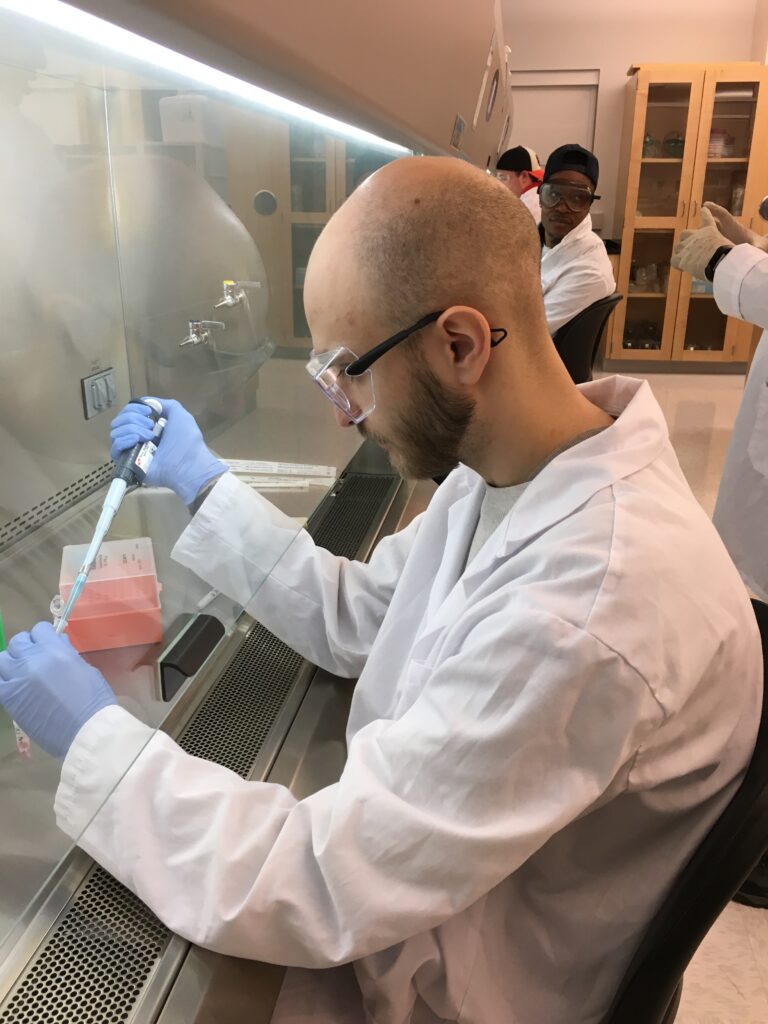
x,y
434,235
440,232
426,233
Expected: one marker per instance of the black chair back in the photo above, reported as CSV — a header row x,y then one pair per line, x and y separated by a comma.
x,y
650,991
577,341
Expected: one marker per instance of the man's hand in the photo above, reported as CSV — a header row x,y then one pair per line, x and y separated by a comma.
x,y
696,248
732,231
48,689
183,462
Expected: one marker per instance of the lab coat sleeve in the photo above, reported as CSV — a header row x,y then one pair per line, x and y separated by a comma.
x,y
741,284
512,737
581,284
327,608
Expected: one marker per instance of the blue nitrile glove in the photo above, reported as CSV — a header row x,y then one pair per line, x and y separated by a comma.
x,y
47,688
183,462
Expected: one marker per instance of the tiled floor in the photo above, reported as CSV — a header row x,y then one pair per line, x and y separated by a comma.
x,y
727,983
700,410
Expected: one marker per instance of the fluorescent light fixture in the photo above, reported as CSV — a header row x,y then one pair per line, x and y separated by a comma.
x,y
103,33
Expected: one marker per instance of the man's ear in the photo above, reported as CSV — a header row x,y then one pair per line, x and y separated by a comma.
x,y
466,348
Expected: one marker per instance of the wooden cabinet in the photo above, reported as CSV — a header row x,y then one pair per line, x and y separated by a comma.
x,y
307,173
692,133
323,172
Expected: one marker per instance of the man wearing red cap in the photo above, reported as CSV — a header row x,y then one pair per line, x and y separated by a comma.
x,y
520,170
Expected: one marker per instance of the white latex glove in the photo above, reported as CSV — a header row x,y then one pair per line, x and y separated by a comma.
x,y
735,233
696,248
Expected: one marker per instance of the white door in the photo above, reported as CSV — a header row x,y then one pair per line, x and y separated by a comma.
x,y
552,108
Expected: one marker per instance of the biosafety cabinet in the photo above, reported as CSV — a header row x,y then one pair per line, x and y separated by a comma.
x,y
159,208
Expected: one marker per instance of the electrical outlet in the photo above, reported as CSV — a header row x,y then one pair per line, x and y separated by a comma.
x,y
99,392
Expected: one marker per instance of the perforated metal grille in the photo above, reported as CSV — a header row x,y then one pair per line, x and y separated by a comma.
x,y
93,967
345,518
233,721
42,513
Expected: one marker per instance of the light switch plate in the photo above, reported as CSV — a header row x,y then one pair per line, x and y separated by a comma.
x,y
99,392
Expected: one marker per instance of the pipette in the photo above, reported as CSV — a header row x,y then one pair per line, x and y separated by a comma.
x,y
130,471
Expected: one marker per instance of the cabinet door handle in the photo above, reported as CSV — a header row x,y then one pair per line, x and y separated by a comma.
x,y
682,213
694,207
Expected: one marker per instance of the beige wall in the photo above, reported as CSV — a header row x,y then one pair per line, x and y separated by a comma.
x,y
609,35
760,33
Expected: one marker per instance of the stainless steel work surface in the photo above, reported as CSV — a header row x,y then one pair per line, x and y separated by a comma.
x,y
249,696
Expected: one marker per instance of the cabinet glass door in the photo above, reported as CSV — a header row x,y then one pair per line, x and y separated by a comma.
x,y
736,162
312,163
729,169
303,238
757,169
702,332
651,291
706,326
668,146
309,169
358,161
729,144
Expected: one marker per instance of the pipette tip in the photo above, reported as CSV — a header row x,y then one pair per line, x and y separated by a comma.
x,y
74,593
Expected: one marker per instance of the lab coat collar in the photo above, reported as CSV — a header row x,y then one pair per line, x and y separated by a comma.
x,y
636,439
581,231
462,518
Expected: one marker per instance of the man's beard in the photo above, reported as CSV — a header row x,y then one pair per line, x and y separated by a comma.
x,y
426,440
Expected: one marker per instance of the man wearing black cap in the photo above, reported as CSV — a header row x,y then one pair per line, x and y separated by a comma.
x,y
519,169
575,269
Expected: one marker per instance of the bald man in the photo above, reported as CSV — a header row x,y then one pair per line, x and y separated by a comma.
x,y
558,669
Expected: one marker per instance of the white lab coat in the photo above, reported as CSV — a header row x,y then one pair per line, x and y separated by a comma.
x,y
741,512
574,274
531,201
536,743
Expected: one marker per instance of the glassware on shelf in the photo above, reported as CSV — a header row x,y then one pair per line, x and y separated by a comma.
x,y
646,279
701,287
721,144
737,199
649,335
673,145
642,334
651,146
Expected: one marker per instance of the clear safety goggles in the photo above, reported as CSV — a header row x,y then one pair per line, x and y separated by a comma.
x,y
506,176
347,380
575,197
354,396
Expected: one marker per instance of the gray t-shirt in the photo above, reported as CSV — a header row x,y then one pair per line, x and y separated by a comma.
x,y
497,503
